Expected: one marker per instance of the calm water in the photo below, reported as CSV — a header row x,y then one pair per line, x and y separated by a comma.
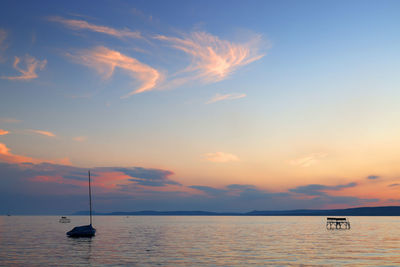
x,y
199,241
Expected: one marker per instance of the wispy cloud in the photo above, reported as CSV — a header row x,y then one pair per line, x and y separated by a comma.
x,y
9,120
105,61
3,132
3,46
219,97
80,138
213,59
220,157
308,160
46,133
3,36
84,25
32,64
373,177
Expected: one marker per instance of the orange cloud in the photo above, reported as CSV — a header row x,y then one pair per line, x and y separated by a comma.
x,y
84,25
105,61
308,160
31,65
213,59
219,97
220,157
46,133
3,132
7,156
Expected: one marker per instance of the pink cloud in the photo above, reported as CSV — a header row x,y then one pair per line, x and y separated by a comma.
x,y
3,132
32,64
213,59
219,97
84,25
46,133
220,157
105,61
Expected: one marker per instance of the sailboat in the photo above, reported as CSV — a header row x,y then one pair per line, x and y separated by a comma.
x,y
85,230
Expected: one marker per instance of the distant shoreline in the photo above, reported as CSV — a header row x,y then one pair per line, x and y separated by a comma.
x,y
361,211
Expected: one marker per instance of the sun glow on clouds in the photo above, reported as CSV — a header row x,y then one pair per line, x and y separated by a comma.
x,y
84,25
32,64
214,59
220,157
219,97
3,132
105,61
7,156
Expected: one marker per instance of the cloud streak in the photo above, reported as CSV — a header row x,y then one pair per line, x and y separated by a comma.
x,y
219,97
75,24
9,120
80,138
318,189
3,132
220,157
213,59
32,65
308,160
105,60
45,133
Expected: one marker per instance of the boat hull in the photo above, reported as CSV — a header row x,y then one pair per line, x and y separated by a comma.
x,y
82,231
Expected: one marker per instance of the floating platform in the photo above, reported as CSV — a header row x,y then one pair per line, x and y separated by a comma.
x,y
333,223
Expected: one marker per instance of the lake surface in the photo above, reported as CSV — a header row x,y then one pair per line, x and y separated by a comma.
x,y
199,241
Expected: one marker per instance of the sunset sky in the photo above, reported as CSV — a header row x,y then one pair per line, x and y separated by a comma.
x,y
199,105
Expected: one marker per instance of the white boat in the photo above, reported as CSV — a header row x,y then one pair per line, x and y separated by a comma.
x,y
64,220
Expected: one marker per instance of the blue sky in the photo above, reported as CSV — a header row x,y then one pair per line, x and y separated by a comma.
x,y
272,95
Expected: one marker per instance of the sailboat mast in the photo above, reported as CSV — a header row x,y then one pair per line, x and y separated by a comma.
x,y
90,200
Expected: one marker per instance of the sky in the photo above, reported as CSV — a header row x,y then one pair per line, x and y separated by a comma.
x,y
199,105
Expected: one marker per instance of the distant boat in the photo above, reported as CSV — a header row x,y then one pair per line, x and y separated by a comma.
x,y
64,220
85,230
